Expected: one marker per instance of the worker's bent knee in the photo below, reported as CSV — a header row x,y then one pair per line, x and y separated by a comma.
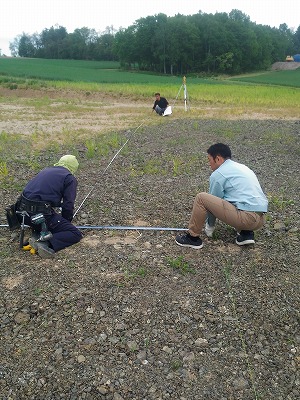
x,y
77,236
201,198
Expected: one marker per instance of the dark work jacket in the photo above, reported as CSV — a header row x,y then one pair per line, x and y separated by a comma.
x,y
162,103
56,185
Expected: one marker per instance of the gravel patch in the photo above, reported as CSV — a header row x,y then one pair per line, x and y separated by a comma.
x,y
127,314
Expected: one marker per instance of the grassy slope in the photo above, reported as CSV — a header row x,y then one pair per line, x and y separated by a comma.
x,y
75,70
105,77
282,78
108,72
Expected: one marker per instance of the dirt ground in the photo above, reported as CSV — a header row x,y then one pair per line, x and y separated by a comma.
x,y
285,65
126,313
55,112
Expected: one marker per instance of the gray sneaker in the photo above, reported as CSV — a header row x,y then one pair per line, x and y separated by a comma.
x,y
33,242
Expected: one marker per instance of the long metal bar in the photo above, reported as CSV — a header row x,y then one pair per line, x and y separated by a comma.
x,y
7,226
120,227
135,228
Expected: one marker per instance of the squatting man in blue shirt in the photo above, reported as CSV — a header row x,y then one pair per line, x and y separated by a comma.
x,y
53,187
235,197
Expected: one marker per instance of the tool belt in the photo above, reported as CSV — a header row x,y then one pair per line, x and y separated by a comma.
x,y
34,207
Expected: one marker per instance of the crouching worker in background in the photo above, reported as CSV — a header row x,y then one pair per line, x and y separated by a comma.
x,y
53,187
235,197
160,104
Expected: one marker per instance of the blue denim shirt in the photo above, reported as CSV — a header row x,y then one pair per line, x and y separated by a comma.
x,y
237,184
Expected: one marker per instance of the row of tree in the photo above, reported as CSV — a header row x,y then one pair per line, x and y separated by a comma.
x,y
57,43
216,43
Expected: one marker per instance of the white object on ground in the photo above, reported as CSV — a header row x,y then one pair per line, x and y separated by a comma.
x,y
209,230
168,111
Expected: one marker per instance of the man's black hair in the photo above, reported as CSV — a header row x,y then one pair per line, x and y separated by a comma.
x,y
157,94
219,149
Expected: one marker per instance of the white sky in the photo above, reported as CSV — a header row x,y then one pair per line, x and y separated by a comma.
x,y
30,16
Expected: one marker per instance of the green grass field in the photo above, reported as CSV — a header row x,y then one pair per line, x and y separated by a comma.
x,y
272,90
75,71
283,78
109,72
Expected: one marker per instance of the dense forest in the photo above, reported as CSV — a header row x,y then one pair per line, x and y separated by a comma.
x,y
211,43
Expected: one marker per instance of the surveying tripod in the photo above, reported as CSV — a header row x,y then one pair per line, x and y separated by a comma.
x,y
185,94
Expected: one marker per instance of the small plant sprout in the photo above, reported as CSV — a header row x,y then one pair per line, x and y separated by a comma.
x,y
180,265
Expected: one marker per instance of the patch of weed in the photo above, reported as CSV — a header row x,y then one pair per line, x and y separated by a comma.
x,y
139,273
229,134
177,166
180,265
278,137
91,148
38,291
5,252
102,145
178,142
176,365
153,166
279,202
3,170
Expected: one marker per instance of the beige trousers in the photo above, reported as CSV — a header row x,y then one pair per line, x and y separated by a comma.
x,y
224,211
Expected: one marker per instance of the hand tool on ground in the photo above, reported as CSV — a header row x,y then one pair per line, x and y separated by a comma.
x,y
39,219
23,215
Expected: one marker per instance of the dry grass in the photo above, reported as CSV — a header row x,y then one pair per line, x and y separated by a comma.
x,y
53,116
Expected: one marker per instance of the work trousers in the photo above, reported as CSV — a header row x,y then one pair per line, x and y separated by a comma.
x,y
64,233
159,110
223,210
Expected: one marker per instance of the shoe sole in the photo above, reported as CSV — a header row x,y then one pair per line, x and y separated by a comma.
x,y
33,243
45,253
249,241
189,245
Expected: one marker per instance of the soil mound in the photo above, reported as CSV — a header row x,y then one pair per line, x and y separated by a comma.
x,y
285,65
